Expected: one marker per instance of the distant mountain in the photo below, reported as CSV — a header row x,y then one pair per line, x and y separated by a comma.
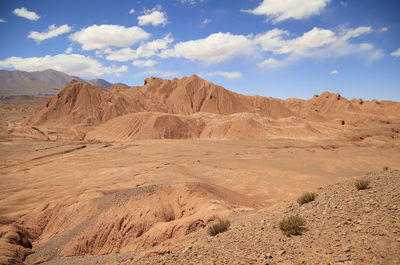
x,y
39,83
97,81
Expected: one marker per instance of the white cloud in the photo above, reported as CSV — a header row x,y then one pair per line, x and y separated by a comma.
x,y
383,29
159,73
271,40
316,43
73,64
374,55
274,41
102,36
270,62
145,50
206,21
396,53
229,75
353,33
154,17
144,63
68,50
215,48
334,72
131,11
2,20
52,32
191,2
25,13
278,10
343,3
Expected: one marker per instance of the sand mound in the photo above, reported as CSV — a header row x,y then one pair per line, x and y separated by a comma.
x,y
147,125
128,220
151,125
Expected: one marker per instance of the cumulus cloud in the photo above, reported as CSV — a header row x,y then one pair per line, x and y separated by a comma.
x,y
102,36
215,48
68,50
52,32
2,20
278,10
25,13
145,50
73,64
144,63
334,72
316,43
343,3
383,29
396,53
153,16
229,75
131,11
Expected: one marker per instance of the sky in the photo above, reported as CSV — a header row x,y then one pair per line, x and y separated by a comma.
x,y
273,48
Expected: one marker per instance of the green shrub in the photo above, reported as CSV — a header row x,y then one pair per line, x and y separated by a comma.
x,y
385,168
306,197
218,227
362,184
292,225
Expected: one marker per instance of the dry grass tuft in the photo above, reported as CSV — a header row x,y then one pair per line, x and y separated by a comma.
x,y
306,197
218,227
292,225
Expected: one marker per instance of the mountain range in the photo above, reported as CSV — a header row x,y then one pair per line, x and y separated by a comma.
x,y
39,83
193,108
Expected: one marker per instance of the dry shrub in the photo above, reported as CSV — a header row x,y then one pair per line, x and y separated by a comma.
x,y
385,168
292,225
306,197
218,227
362,184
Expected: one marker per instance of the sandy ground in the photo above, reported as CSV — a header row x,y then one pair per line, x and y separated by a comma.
x,y
270,170
76,202
35,174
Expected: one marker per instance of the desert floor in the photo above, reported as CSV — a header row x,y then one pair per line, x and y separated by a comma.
x,y
269,170
52,188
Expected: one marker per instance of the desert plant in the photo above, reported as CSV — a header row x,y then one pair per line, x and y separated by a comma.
x,y
306,197
218,227
385,168
362,184
292,225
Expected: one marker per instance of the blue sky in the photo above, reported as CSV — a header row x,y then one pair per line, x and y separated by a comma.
x,y
275,48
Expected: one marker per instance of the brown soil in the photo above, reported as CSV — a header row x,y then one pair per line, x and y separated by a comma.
x,y
343,226
97,176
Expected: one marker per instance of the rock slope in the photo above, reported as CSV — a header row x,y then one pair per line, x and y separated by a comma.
x,y
192,108
343,226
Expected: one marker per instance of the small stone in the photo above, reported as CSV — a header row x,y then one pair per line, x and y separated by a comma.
x,y
282,252
268,256
398,240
